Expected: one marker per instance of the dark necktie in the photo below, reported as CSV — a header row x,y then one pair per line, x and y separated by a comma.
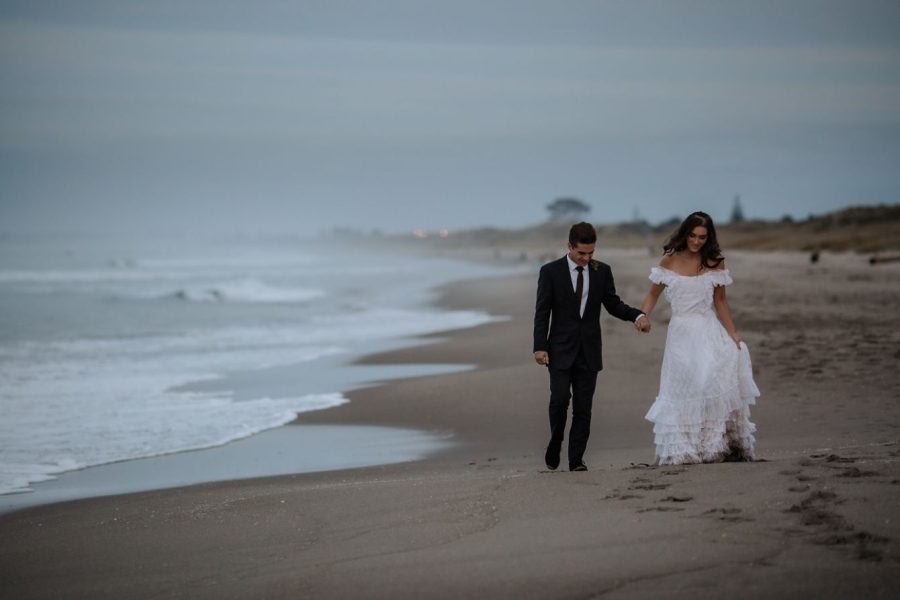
x,y
579,287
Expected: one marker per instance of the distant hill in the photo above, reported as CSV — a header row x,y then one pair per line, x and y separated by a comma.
x,y
857,229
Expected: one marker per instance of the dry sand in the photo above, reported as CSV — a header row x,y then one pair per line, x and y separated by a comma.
x,y
819,516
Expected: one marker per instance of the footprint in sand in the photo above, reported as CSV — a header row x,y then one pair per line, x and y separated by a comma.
x,y
821,497
815,511
724,511
650,486
840,459
643,483
731,515
856,472
660,509
616,495
677,499
865,545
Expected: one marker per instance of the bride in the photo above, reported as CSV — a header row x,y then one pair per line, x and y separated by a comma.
x,y
706,387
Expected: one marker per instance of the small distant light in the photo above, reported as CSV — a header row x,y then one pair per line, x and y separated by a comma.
x,y
443,233
420,234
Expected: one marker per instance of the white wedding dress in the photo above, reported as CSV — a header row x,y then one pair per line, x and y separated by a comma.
x,y
706,387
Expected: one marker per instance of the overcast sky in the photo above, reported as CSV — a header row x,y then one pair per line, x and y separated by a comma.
x,y
299,116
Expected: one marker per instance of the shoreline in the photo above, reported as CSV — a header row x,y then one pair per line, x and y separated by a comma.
x,y
818,515
261,454
127,369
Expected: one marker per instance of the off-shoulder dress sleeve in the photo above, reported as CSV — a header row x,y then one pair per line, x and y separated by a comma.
x,y
722,277
660,275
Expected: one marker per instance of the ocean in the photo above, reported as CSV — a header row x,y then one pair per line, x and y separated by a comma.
x,y
120,348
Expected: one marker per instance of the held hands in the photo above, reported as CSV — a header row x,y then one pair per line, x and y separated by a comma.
x,y
542,358
642,324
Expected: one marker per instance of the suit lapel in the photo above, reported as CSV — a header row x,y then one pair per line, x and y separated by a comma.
x,y
594,287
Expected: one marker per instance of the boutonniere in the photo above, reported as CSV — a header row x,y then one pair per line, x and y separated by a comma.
x,y
595,265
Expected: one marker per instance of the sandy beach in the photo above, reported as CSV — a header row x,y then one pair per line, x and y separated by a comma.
x,y
818,515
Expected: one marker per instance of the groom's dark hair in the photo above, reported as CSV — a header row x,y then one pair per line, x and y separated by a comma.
x,y
582,233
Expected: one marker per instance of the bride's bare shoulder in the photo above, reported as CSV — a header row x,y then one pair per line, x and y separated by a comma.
x,y
667,261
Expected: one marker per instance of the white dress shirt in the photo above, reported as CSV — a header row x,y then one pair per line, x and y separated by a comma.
x,y
573,271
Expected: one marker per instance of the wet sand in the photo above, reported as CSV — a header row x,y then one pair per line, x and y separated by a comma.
x,y
819,515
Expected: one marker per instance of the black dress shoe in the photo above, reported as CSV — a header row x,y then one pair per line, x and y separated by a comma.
x,y
551,457
578,467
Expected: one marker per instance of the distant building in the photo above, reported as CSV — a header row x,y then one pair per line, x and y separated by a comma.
x,y
737,213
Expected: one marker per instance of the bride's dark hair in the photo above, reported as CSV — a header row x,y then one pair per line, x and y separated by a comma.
x,y
710,254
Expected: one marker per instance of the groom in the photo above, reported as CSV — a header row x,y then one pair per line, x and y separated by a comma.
x,y
567,337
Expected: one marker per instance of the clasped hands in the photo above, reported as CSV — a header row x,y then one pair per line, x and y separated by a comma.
x,y
642,324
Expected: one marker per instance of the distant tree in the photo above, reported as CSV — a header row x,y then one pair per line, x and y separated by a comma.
x,y
737,213
563,208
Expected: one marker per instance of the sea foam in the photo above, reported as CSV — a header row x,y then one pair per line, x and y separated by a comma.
x,y
70,404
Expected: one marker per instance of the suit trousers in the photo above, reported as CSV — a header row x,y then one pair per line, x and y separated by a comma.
x,y
576,383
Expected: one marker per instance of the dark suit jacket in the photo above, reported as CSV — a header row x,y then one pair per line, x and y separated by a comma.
x,y
558,328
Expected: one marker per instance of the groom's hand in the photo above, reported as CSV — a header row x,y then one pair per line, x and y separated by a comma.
x,y
642,324
542,358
